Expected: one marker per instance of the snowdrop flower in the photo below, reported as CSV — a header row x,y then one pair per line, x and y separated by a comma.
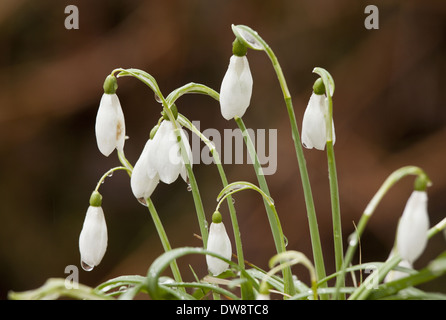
x,y
110,125
219,243
93,237
143,180
165,157
314,128
236,88
413,227
160,160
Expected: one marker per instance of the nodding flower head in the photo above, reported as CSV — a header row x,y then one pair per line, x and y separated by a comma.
x,y
236,88
314,123
413,227
219,243
144,179
166,158
93,237
110,124
161,160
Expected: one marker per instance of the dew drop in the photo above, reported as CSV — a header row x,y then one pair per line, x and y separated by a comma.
x,y
142,201
110,175
233,200
189,187
352,240
158,99
123,288
86,266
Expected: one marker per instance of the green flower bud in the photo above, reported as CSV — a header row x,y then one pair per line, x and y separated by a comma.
x,y
110,84
238,48
421,183
216,217
95,199
319,87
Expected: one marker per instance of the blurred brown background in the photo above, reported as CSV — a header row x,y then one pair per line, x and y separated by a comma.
x,y
389,112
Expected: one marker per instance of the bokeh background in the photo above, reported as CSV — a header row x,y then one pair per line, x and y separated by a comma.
x,y
389,112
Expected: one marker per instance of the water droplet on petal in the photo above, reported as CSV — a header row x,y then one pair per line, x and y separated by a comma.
x,y
86,266
158,99
142,201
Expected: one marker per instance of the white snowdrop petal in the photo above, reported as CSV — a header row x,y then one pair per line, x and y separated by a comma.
x,y
141,182
183,171
110,125
314,132
120,127
218,242
236,88
166,152
93,237
413,227
166,159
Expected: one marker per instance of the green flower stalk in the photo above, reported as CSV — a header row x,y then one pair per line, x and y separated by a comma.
x,y
322,112
252,40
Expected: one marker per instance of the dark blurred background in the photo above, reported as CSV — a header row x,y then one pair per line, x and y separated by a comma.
x,y
388,108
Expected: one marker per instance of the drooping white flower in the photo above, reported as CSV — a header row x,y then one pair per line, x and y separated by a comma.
x,y
314,129
218,242
413,227
110,125
93,238
144,179
164,154
236,88
160,159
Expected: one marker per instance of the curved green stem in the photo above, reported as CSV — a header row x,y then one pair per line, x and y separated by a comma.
x,y
238,186
163,237
156,220
150,81
273,217
160,263
431,272
354,238
235,226
254,41
333,180
109,173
